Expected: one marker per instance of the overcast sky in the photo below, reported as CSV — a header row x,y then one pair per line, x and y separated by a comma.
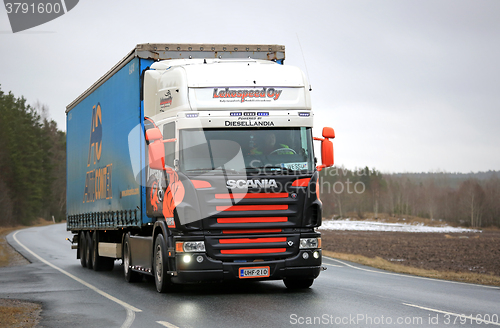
x,y
408,86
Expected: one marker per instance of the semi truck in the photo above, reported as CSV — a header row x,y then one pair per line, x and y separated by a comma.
x,y
195,163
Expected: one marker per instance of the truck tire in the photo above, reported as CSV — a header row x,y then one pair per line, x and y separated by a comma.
x,y
100,263
298,283
88,248
130,275
82,248
160,265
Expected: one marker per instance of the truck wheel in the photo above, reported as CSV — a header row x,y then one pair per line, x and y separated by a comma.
x,y
160,265
100,263
88,248
82,248
130,275
298,283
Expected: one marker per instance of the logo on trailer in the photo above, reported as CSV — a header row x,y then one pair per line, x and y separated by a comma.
x,y
98,180
95,144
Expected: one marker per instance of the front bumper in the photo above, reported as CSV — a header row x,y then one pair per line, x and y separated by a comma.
x,y
201,268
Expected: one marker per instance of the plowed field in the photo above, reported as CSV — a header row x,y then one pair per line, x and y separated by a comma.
x,y
453,252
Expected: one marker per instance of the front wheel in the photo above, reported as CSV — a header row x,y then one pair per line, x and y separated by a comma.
x,y
162,278
298,283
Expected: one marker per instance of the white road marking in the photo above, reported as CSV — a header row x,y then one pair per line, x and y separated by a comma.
x,y
471,318
130,309
411,276
129,320
166,324
333,265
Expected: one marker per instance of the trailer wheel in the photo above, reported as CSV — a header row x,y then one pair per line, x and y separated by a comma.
x,y
88,249
130,275
100,263
82,248
160,265
298,283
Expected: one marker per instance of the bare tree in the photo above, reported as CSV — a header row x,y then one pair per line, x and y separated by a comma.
x,y
430,196
471,197
42,110
492,204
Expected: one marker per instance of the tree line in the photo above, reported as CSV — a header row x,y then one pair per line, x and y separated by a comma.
x,y
464,199
32,163
33,180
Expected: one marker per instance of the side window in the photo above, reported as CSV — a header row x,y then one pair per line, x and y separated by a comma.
x,y
169,133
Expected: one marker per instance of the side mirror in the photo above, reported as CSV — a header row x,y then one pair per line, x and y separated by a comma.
x,y
326,148
327,152
156,150
153,134
328,133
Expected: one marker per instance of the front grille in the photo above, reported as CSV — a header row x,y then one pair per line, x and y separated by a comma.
x,y
230,212
253,226
251,247
252,231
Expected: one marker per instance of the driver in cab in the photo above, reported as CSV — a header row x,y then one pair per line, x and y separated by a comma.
x,y
268,146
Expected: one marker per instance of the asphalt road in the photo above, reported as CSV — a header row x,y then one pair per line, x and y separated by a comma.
x,y
346,294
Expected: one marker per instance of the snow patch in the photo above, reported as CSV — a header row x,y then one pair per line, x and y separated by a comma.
x,y
381,226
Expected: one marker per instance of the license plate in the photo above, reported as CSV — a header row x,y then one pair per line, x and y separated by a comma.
x,y
295,166
253,272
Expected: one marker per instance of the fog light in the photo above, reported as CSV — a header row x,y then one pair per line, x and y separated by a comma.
x,y
186,258
316,255
305,255
199,259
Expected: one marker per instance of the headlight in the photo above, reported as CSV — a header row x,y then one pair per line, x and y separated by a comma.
x,y
309,243
190,246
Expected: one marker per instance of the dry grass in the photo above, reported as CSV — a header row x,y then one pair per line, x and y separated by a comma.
x,y
377,262
460,237
8,256
15,313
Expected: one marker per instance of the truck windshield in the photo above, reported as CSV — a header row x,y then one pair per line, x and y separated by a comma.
x,y
250,151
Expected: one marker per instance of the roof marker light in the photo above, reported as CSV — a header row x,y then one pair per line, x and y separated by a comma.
x,y
192,115
235,114
262,114
304,114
